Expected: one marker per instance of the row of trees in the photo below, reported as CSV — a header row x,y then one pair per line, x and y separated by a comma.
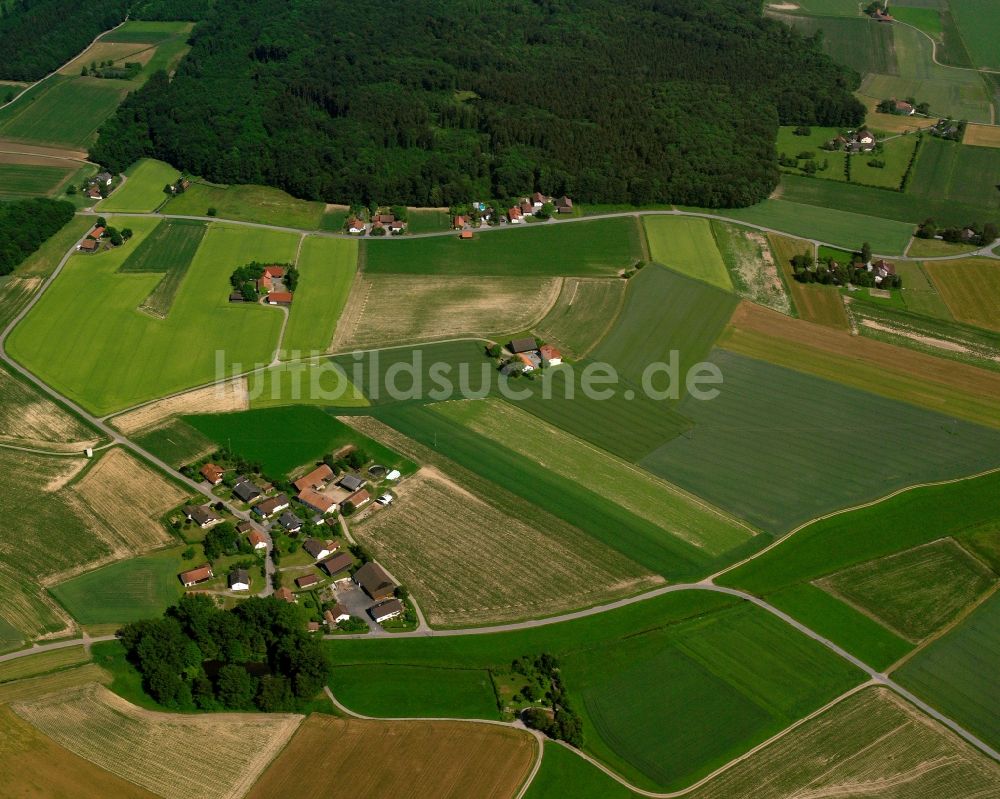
x,y
973,233
255,656
25,225
604,101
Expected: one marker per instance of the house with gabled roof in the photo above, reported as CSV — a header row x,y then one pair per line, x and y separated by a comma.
x,y
239,580
203,516
290,522
373,579
336,564
316,479
212,473
246,491
271,506
195,576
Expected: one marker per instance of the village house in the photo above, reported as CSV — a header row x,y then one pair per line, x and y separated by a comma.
x,y
269,507
195,576
882,269
358,499
290,522
386,610
564,205
285,595
519,345
279,298
527,208
355,225
335,615
514,214
212,473
103,178
527,361
245,491
257,539
374,581
312,626
244,528
93,192
317,549
203,516
88,245
550,355
862,141
396,227
316,479
903,107
96,233
317,502
307,581
538,200
239,580
385,219
336,564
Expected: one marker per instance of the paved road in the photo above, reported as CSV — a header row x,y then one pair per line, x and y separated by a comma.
x,y
37,649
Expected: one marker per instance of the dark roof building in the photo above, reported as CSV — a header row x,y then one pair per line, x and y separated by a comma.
x,y
518,345
386,610
290,522
375,582
350,482
246,491
239,580
336,564
316,548
307,580
202,515
271,506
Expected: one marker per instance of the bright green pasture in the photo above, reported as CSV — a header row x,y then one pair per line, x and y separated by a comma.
x,y
248,203
791,145
978,22
686,245
25,180
896,154
128,590
119,356
144,32
959,173
427,220
599,247
143,188
957,673
326,273
839,228
762,448
62,111
564,773
321,383
385,690
927,19
168,250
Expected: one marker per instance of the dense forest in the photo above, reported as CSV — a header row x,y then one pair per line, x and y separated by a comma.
x,y
436,102
39,36
256,656
170,10
25,225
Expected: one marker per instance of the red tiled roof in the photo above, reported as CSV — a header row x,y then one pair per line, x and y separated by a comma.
x,y
307,580
212,473
321,474
279,296
274,271
256,537
96,233
466,234
198,575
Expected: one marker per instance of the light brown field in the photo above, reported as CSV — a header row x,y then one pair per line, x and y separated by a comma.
x,y
468,560
815,303
399,309
900,373
216,756
36,687
982,135
35,767
756,269
27,419
891,123
582,314
15,146
871,744
119,52
35,159
970,288
221,398
42,663
331,757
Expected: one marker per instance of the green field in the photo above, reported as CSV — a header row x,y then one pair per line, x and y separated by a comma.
x,y
26,180
144,32
120,356
959,173
169,250
919,294
830,8
687,246
791,145
138,588
584,311
664,312
400,691
772,449
321,383
839,228
957,673
600,247
326,273
859,42
970,289
896,154
916,592
306,435
564,773
927,19
977,21
427,220
249,203
143,188
62,111
175,442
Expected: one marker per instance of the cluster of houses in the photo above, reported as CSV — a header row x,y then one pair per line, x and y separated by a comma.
x,y
92,241
379,226
859,141
528,356
529,206
271,287
98,186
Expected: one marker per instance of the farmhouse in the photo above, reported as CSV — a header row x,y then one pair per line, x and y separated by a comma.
x,y
903,107
350,482
290,522
336,564
550,355
564,205
376,583
396,227
93,192
103,177
526,207
355,225
318,502
212,473
386,610
246,491
316,479
88,245
527,361
257,539
312,626
195,576
307,581
285,595
318,549
538,199
358,499
385,219
519,345
279,298
203,516
269,507
96,233
514,214
882,269
239,580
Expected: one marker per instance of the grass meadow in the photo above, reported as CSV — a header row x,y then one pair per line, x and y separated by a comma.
x,y
814,303
326,273
120,356
970,289
762,448
687,246
31,180
175,442
959,173
146,32
579,249
857,41
168,250
142,191
248,203
977,21
62,111
582,314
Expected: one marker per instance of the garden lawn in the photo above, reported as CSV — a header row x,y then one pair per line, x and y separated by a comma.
x,y
326,272
599,247
62,111
139,588
970,288
143,190
687,246
427,220
28,180
772,436
249,203
400,691
119,356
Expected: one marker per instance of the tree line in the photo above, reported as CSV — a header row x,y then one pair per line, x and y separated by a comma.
x,y
438,102
25,225
39,36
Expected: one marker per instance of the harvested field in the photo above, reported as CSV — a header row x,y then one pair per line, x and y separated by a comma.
x,y
176,756
982,135
219,398
952,388
28,419
917,592
970,288
584,311
15,292
751,265
331,757
465,558
814,303
384,310
35,767
109,51
35,687
42,663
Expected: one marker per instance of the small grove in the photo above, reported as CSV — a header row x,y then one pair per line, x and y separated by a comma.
x,y
255,656
25,225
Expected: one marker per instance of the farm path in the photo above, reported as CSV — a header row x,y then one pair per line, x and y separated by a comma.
x,y
934,57
38,649
986,252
